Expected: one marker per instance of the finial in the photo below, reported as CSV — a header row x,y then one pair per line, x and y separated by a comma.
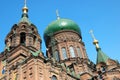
x,y
57,13
25,9
25,3
95,42
91,32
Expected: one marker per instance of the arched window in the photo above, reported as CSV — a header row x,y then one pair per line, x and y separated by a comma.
x,y
54,77
22,38
34,40
64,53
57,56
79,52
72,53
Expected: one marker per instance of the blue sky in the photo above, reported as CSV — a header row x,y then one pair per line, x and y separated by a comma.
x,y
103,16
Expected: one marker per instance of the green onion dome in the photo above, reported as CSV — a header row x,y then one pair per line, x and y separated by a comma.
x,y
59,25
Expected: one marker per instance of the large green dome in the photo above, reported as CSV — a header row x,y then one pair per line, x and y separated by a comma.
x,y
61,24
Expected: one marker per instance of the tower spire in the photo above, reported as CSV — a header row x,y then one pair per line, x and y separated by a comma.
x,y
25,3
95,41
57,13
24,17
101,56
25,9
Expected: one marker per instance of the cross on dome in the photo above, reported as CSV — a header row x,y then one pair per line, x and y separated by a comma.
x,y
25,9
57,13
95,42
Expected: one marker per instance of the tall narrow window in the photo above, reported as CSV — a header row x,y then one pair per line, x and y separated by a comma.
x,y
79,52
54,77
57,56
34,40
72,53
22,38
64,53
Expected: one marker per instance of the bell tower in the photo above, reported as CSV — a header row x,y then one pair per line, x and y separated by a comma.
x,y
24,33
23,47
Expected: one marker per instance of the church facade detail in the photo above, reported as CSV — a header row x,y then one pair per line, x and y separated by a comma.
x,y
66,58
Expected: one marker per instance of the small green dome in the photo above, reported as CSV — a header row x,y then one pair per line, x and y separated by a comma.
x,y
61,24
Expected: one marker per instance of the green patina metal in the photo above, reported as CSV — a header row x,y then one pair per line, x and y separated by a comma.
x,y
63,65
68,70
7,48
25,19
73,73
61,24
101,56
35,53
78,76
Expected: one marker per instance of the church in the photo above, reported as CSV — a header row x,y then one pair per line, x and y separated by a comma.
x,y
66,58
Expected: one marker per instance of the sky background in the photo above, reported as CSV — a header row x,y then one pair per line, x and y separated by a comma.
x,y
102,16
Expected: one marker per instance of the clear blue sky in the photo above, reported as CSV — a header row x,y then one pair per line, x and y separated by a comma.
x,y
103,16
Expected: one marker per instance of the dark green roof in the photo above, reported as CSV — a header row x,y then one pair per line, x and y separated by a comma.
x,y
101,56
61,24
24,18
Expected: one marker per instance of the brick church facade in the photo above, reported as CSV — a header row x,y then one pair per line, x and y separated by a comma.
x,y
66,58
